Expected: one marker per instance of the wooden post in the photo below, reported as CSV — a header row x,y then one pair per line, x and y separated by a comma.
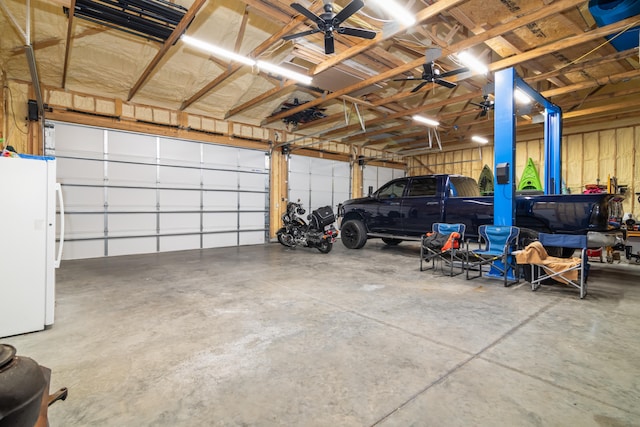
x,y
278,184
356,175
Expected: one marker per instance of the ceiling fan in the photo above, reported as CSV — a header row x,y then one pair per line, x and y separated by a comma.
x,y
328,22
433,74
486,105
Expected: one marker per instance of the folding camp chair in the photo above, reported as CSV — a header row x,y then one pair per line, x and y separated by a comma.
x,y
571,271
449,253
495,245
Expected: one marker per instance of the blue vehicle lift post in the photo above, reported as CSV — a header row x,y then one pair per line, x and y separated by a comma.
x,y
504,206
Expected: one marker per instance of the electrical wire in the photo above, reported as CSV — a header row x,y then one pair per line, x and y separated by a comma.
x,y
13,113
600,45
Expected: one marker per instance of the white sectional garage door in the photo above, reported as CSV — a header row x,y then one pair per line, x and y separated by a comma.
x,y
318,182
377,176
128,193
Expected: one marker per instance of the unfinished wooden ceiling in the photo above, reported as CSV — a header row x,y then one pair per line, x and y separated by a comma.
x,y
554,45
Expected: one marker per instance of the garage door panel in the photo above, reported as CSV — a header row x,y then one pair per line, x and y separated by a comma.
x,y
132,199
175,223
342,169
300,164
221,240
179,243
131,224
179,200
321,183
252,238
131,174
252,160
220,200
177,152
83,249
251,220
321,167
252,201
133,147
217,155
142,245
253,182
84,199
300,195
78,141
80,171
299,181
179,177
222,180
83,226
220,221
321,198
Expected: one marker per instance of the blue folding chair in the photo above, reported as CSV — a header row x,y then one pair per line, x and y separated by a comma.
x,y
448,256
541,272
495,244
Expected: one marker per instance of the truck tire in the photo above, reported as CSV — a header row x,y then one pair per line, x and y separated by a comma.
x,y
353,234
391,242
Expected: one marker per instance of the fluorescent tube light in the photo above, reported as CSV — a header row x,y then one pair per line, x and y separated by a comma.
x,y
398,12
479,139
473,63
426,121
284,72
522,97
217,51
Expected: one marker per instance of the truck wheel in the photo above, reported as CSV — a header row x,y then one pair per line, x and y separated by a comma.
x,y
353,234
391,242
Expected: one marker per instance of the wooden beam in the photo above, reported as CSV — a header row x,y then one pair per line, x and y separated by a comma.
x,y
233,68
67,47
243,28
471,41
628,75
565,43
582,65
278,90
171,40
422,16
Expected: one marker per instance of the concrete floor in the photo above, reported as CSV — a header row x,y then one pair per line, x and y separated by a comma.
x,y
266,335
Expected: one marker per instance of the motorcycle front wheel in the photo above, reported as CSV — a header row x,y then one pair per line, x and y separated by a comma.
x,y
325,246
285,238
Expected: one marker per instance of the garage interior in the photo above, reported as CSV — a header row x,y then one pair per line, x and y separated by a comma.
x,y
176,160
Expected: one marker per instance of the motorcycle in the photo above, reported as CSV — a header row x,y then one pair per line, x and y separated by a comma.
x,y
318,233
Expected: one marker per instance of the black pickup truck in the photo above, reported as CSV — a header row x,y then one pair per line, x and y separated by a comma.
x,y
405,208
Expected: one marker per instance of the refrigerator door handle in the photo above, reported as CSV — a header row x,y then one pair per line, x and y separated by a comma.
x,y
61,204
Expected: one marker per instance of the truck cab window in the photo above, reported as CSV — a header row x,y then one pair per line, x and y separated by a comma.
x,y
462,186
393,189
423,187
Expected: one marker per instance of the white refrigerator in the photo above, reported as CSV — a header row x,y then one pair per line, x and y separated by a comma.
x,y
28,256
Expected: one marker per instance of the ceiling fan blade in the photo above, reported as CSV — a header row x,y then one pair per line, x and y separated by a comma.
x,y
357,32
302,34
306,12
454,72
328,44
349,10
477,104
417,88
445,83
483,113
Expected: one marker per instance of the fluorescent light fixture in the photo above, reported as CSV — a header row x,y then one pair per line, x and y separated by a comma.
x,y
217,51
398,12
473,63
479,139
284,72
425,120
522,97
